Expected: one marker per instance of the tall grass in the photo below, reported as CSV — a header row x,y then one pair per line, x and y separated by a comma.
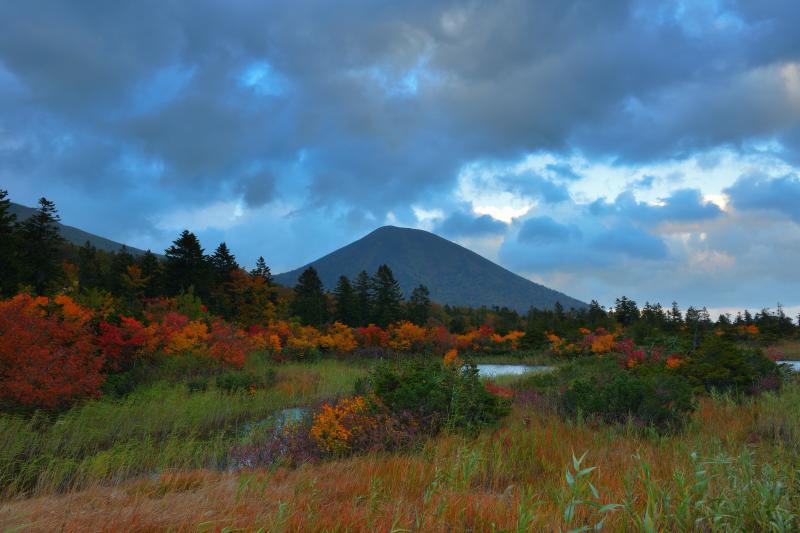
x,y
731,469
161,426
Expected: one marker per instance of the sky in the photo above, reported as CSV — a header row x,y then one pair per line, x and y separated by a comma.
x,y
640,148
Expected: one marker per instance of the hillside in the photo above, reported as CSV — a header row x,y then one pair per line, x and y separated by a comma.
x,y
453,274
74,235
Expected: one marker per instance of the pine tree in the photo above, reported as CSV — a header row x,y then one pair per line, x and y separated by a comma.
x,y
8,247
309,302
90,272
346,303
363,295
387,297
120,261
626,312
262,271
419,305
41,249
153,270
186,266
223,262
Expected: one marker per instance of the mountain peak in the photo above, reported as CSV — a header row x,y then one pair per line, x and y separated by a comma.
x,y
454,275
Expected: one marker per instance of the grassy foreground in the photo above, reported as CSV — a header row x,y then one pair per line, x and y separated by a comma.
x,y
149,463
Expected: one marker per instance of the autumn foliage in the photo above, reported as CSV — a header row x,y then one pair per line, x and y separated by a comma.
x,y
48,357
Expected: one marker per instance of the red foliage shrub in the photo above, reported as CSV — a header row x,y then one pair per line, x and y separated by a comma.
x,y
47,353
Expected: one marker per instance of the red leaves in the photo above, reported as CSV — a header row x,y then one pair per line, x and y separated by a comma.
x,y
47,353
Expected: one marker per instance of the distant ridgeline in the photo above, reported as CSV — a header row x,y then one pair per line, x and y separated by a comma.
x,y
74,235
453,274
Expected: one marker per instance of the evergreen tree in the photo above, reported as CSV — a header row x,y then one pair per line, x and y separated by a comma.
x,y
90,271
596,315
8,247
309,302
41,249
626,312
223,262
186,266
346,303
419,305
152,269
363,295
262,271
120,261
387,297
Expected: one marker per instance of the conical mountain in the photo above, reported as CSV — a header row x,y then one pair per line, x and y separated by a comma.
x,y
453,274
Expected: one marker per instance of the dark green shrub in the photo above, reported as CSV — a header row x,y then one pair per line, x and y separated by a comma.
x,y
437,396
651,398
236,380
198,384
720,364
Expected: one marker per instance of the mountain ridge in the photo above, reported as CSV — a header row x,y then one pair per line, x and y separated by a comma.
x,y
74,235
454,274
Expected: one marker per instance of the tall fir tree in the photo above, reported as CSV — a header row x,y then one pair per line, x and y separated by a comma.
x,y
153,270
223,262
419,305
120,261
346,304
363,299
41,249
8,247
262,271
309,302
185,265
387,297
90,270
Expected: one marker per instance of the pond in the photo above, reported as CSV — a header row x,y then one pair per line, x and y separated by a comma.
x,y
794,365
491,371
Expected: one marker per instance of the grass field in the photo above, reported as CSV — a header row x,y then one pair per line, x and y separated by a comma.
x,y
151,462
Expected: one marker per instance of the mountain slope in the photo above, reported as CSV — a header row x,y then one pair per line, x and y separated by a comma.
x,y
453,274
74,235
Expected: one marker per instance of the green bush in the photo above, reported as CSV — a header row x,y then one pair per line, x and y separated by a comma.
x,y
437,396
649,398
720,364
236,380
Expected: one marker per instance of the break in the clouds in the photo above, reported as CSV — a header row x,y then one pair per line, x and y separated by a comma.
x,y
622,147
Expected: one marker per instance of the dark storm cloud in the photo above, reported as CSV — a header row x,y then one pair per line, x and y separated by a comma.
x,y
463,224
344,112
761,192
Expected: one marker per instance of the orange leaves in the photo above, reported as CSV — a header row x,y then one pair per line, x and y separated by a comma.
x,y
674,361
339,338
335,426
47,354
451,358
405,337
497,390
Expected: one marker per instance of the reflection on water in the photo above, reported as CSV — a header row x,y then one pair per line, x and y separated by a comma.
x,y
795,365
491,371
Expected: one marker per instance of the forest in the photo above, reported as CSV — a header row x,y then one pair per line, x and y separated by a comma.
x,y
193,394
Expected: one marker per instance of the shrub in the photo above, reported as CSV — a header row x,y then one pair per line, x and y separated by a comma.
x,y
38,335
436,395
655,398
235,381
720,364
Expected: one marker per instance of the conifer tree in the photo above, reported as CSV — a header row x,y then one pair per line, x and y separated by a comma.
x,y
346,303
309,302
419,305
41,247
185,266
223,262
153,270
120,261
363,299
262,271
8,247
90,272
387,297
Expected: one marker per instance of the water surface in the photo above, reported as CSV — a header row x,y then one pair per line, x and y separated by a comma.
x,y
491,371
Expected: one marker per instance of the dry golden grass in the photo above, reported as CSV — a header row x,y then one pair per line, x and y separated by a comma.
x,y
453,483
